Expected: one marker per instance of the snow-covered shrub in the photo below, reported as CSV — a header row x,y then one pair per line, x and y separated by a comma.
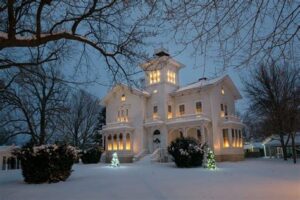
x,y
92,155
186,152
46,163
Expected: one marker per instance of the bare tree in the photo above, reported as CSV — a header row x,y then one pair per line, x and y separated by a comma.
x,y
273,91
239,32
79,123
31,102
115,29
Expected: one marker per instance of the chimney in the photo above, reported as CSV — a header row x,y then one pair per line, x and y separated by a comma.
x,y
202,79
161,52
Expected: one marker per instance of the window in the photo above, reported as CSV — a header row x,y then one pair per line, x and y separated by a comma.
x,y
232,138
225,138
169,111
154,91
109,144
123,97
198,107
120,141
128,145
171,77
224,111
181,110
155,112
154,76
115,143
199,135
236,138
122,115
222,91
240,139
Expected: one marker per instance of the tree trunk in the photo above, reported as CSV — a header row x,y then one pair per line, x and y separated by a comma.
x,y
283,146
294,148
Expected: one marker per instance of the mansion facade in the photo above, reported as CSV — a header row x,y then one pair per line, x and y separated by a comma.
x,y
145,121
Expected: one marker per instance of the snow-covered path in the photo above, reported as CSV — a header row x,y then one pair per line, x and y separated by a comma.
x,y
248,180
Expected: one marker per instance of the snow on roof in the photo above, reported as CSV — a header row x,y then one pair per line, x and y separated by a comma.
x,y
201,83
274,140
255,145
133,89
8,148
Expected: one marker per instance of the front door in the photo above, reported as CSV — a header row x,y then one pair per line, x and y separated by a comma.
x,y
156,139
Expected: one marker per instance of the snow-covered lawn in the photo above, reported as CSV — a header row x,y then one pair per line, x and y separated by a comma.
x,y
252,179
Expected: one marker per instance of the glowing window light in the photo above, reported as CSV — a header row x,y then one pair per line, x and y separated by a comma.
x,y
222,91
109,144
128,145
115,143
171,77
154,76
123,97
169,112
225,138
233,138
120,141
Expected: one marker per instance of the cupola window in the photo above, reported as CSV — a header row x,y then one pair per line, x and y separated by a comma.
x,y
171,77
154,76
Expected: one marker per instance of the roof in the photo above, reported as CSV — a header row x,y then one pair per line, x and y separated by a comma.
x,y
133,90
208,82
255,145
274,140
161,58
8,148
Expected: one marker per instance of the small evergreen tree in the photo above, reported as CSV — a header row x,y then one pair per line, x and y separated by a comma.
x,y
209,159
115,161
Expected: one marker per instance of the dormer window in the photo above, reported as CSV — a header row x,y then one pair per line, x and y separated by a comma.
x,y
154,76
171,77
123,97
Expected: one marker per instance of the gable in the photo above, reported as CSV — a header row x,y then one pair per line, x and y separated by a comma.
x,y
120,89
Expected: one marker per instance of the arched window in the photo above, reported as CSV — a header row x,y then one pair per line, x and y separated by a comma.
x,y
109,144
128,144
115,143
121,141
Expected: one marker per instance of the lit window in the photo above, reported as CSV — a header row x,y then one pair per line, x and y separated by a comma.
x,y
154,76
128,146
224,111
222,91
123,97
154,91
198,107
120,141
169,111
240,139
181,110
109,144
171,77
225,138
233,137
155,112
115,144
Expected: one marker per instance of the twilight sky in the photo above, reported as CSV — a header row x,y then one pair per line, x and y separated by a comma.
x,y
193,70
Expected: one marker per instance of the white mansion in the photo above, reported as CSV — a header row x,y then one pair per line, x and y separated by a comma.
x,y
140,122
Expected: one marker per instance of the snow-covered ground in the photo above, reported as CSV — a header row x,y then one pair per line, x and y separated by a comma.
x,y
252,179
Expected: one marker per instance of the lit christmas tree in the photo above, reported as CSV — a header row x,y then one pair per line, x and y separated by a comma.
x,y
115,161
209,159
